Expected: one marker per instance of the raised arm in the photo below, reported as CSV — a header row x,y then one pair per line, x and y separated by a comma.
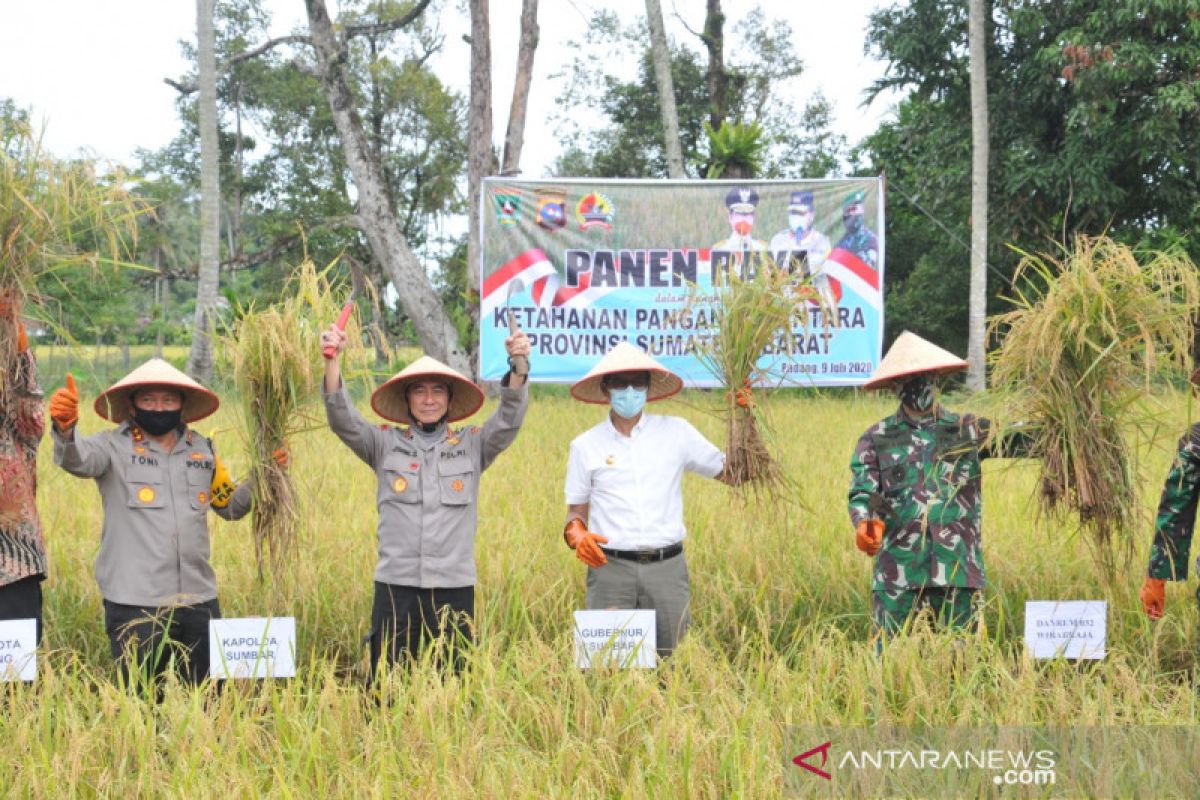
x,y
345,421
502,426
83,458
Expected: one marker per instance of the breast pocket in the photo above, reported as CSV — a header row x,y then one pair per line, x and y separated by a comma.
x,y
144,486
958,469
400,480
456,481
199,482
894,473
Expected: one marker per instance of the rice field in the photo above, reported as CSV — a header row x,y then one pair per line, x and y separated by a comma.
x,y
780,637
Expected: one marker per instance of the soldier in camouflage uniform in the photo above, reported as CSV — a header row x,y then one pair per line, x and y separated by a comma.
x,y
1174,524
915,495
859,239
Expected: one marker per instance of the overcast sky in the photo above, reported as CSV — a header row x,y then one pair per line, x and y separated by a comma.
x,y
93,71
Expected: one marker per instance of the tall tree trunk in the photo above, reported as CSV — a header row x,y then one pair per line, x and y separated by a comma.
x,y
715,77
364,288
160,303
435,331
235,200
978,13
666,89
480,160
514,137
200,362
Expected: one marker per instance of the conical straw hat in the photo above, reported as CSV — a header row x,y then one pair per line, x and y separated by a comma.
x,y
198,402
912,355
625,357
390,402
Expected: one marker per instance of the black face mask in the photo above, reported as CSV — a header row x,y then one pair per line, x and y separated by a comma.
x,y
157,423
429,427
918,393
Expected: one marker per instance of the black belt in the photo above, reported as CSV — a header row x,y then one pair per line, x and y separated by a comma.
x,y
645,556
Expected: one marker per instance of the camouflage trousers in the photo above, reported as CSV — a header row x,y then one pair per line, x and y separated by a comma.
x,y
950,608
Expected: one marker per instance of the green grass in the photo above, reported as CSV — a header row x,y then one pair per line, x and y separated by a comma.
x,y
780,637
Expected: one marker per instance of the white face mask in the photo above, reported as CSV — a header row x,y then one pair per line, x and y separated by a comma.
x,y
798,223
627,403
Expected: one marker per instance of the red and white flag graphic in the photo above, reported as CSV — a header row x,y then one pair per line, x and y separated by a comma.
x,y
533,271
853,273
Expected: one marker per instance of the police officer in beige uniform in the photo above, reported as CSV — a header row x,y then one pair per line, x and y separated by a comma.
x,y
428,491
157,479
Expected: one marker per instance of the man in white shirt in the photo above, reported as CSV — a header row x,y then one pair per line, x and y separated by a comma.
x,y
624,496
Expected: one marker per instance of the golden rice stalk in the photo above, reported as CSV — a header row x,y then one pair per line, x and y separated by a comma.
x,y
274,357
53,214
1088,332
753,314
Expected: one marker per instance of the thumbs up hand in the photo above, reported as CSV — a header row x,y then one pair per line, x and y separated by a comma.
x,y
64,405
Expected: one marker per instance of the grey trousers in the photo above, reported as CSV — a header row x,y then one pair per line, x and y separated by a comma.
x,y
661,585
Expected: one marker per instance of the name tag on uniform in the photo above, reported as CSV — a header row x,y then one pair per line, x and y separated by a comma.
x,y
252,648
1070,629
622,638
18,650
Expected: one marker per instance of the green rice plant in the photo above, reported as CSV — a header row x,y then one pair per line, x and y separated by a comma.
x,y
780,639
274,358
1088,333
754,313
53,214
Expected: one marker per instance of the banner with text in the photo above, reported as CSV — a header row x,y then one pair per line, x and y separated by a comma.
x,y
580,265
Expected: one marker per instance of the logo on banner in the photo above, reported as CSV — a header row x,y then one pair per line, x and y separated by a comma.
x,y
552,209
594,210
508,207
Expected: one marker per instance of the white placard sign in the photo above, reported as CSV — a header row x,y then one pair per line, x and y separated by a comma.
x,y
18,650
622,637
252,647
1067,629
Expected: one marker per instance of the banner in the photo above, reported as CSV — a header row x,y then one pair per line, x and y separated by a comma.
x,y
583,264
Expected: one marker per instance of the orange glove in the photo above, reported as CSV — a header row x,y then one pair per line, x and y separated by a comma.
x,y
584,543
64,405
1154,597
869,536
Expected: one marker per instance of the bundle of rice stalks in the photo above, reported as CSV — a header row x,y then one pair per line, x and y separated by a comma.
x,y
53,214
276,364
755,316
1088,334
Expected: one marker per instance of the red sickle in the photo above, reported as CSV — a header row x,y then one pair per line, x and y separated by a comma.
x,y
330,350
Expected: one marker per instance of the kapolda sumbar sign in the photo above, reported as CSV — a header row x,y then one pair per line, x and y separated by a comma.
x,y
584,264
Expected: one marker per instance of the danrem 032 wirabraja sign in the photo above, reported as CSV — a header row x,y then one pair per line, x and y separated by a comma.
x,y
584,264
